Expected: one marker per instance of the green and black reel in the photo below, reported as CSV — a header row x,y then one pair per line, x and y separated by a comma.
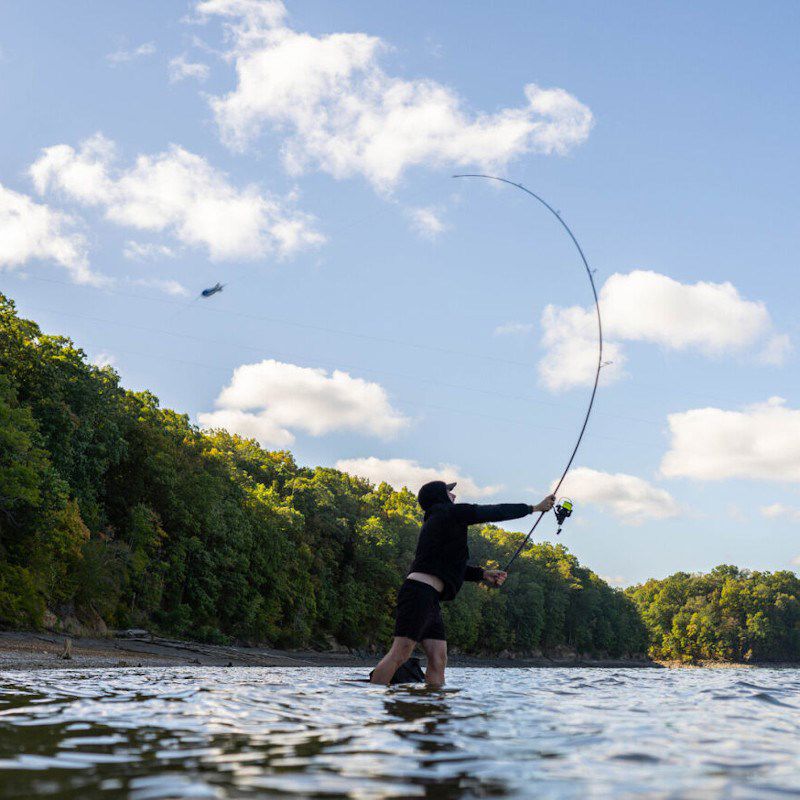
x,y
562,510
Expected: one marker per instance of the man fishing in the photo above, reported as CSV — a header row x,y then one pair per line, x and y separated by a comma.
x,y
438,572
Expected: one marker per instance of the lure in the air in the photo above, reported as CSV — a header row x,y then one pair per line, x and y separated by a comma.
x,y
217,287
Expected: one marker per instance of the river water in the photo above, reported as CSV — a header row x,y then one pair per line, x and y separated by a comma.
x,y
150,734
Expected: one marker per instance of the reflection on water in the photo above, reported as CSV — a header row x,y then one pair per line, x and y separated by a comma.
x,y
151,734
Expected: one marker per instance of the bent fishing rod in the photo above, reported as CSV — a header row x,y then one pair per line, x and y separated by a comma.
x,y
561,513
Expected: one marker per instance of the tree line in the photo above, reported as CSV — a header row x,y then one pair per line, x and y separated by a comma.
x,y
115,509
728,614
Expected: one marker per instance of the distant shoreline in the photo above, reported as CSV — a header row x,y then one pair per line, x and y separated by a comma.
x,y
22,650
31,650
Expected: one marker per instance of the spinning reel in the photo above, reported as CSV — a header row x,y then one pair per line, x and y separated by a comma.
x,y
562,510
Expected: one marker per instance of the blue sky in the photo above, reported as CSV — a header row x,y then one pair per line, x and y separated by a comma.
x,y
366,287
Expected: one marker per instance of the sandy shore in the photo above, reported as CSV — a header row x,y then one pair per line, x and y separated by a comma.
x,y
21,650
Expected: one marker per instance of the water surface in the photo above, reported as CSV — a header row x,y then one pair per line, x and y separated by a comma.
x,y
155,733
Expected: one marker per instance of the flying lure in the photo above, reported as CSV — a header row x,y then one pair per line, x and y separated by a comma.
x,y
217,287
564,508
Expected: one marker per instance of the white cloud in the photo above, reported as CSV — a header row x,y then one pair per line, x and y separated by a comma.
x,y
513,328
269,399
177,192
146,251
180,69
632,500
614,580
645,306
402,472
104,359
32,231
166,285
780,511
122,56
260,427
570,337
340,112
761,442
426,221
254,14
776,350
713,317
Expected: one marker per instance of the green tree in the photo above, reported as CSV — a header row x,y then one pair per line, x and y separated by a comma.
x,y
115,508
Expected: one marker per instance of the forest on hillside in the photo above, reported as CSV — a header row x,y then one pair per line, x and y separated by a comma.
x,y
121,513
728,614
112,507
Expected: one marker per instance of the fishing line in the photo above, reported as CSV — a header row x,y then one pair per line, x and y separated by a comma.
x,y
706,397
589,274
339,365
655,387
303,325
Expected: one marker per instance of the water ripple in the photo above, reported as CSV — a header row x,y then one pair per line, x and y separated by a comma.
x,y
154,734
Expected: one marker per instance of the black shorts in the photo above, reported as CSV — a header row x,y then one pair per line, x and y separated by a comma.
x,y
418,613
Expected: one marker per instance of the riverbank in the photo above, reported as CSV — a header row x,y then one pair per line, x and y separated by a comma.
x,y
23,650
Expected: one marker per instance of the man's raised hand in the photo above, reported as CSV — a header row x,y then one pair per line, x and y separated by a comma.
x,y
546,504
494,577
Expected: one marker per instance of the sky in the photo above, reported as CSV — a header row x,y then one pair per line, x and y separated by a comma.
x,y
379,315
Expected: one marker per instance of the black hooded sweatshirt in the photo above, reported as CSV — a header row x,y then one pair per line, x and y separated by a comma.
x,y
442,546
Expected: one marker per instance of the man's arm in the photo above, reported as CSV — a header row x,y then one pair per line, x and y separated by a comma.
x,y
494,577
473,574
472,514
